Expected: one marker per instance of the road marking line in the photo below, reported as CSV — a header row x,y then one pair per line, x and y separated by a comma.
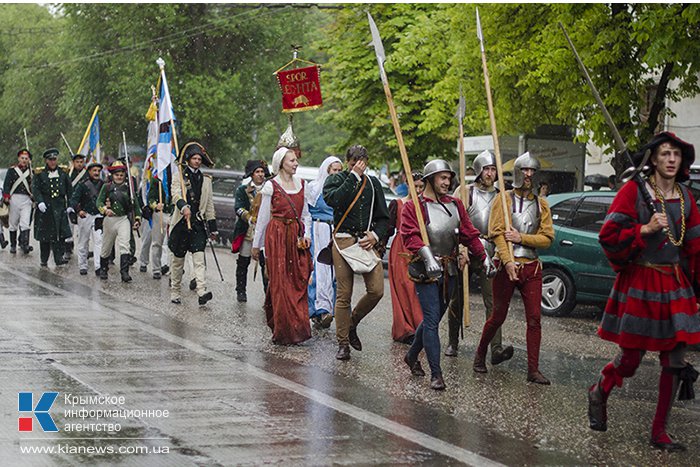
x,y
390,426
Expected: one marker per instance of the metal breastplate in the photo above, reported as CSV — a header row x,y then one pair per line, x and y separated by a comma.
x,y
480,209
526,219
441,231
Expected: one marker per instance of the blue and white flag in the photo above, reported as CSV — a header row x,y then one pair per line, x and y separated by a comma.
x,y
166,146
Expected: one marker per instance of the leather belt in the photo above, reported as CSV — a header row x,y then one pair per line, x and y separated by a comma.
x,y
284,220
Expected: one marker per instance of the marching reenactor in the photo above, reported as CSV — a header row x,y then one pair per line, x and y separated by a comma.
x,y
193,221
52,190
257,171
482,195
653,305
358,199
77,174
161,206
448,226
121,215
17,194
531,229
83,205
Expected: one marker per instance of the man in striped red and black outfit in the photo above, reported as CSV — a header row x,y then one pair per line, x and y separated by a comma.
x,y
652,306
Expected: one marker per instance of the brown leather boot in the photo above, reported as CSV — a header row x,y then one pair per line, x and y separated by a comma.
x,y
480,364
597,408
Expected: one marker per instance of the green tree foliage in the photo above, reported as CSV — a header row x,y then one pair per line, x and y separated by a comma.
x,y
433,49
29,96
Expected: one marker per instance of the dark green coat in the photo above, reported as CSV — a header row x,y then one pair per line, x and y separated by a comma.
x,y
155,194
338,192
55,192
242,206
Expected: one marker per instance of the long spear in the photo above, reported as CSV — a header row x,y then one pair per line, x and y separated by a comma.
x,y
461,110
381,57
26,145
67,145
494,132
619,142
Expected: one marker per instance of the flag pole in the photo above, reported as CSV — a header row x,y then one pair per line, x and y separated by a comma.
x,y
87,131
26,145
161,64
494,132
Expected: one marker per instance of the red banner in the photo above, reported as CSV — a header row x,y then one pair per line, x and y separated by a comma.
x,y
301,89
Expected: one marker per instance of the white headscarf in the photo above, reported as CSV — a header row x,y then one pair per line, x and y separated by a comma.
x,y
315,188
277,158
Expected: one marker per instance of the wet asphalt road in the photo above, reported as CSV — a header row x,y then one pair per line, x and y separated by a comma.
x,y
234,398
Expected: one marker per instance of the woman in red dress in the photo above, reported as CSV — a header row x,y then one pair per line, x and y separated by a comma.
x,y
283,228
407,313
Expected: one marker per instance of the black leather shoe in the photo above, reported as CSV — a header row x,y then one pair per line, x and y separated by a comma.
x,y
668,447
241,297
83,272
354,339
176,301
479,364
164,269
437,383
343,352
156,275
501,355
597,409
193,284
415,366
538,378
143,268
97,272
451,350
205,298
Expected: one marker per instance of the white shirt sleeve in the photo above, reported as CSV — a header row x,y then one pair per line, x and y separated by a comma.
x,y
263,216
306,220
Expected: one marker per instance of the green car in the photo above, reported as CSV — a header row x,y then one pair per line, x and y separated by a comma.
x,y
574,268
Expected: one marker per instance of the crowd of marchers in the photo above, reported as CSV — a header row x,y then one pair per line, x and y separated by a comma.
x,y
310,240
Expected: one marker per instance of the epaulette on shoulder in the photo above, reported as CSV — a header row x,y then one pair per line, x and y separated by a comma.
x,y
38,170
65,168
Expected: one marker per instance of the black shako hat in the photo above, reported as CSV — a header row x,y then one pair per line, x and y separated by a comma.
x,y
191,148
687,152
76,156
51,153
255,164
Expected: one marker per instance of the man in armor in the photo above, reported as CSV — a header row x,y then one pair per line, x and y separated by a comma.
x,y
448,226
531,229
17,194
653,304
122,214
52,190
482,194
192,222
78,173
366,221
83,204
257,171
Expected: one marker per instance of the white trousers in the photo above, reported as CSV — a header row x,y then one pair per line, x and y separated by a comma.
x,y
86,231
117,230
20,212
177,268
325,292
152,239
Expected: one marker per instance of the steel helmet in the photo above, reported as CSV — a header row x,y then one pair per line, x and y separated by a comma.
x,y
524,161
484,159
435,166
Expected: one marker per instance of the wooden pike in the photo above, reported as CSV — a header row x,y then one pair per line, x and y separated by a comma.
x,y
381,57
461,110
494,132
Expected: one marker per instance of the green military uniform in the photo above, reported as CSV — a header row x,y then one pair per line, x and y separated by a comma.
x,y
117,227
51,190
